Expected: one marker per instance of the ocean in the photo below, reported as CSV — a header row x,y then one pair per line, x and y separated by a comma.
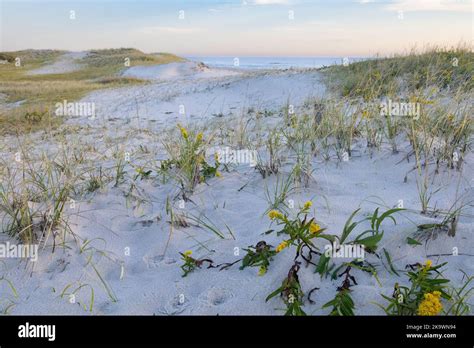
x,y
272,62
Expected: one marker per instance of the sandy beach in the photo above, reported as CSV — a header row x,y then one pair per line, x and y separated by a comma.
x,y
123,244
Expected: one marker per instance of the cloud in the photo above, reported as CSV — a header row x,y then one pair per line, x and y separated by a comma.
x,y
267,2
430,5
172,30
313,26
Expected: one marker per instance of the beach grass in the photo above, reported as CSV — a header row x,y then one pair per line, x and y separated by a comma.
x,y
405,73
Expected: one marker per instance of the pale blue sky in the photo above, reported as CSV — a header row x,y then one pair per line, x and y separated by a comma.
x,y
237,28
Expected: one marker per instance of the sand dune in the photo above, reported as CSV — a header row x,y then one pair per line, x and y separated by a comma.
x,y
147,279
66,63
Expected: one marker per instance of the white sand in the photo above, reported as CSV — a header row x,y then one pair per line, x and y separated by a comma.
x,y
66,63
203,94
176,71
152,282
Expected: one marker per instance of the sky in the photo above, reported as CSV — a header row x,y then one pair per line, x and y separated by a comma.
x,y
237,27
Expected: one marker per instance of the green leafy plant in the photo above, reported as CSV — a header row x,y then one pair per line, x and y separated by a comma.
x,y
259,255
372,236
191,264
342,304
422,297
300,230
375,233
290,291
368,238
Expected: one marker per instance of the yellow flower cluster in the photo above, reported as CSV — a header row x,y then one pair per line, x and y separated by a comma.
x,y
307,205
275,214
184,132
188,253
431,305
314,228
262,271
281,246
428,264
199,136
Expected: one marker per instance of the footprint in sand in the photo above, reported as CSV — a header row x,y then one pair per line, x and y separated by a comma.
x,y
155,261
57,267
176,305
215,296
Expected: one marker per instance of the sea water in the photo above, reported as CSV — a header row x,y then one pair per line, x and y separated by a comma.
x,y
273,62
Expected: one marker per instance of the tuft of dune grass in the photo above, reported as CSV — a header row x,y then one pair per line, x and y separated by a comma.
x,y
441,67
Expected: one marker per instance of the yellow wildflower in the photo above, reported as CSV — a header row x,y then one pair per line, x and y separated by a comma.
x,y
281,246
183,130
431,304
218,174
199,136
428,264
275,214
262,270
314,228
188,253
307,205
